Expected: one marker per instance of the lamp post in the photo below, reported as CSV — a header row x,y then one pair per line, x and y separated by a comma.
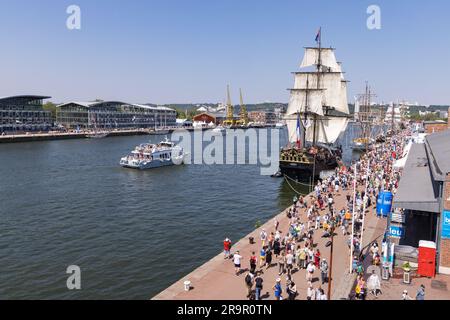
x,y
353,220
330,273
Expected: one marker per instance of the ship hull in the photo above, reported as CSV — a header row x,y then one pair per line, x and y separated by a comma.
x,y
303,171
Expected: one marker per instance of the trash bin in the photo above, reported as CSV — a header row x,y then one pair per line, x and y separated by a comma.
x,y
407,277
385,272
187,285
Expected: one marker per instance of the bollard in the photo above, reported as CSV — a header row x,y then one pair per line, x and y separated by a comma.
x,y
187,285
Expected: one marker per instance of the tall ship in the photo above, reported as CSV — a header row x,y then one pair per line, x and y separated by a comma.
x,y
365,119
316,115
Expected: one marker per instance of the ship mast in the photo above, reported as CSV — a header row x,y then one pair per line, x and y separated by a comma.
x,y
306,113
319,67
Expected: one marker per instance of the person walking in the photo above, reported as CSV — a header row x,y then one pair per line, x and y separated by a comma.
x,y
262,257
421,293
289,262
276,247
268,258
249,283
237,262
323,295
292,290
405,295
258,287
374,284
263,237
310,293
276,224
310,271
302,258
324,270
226,248
253,263
278,290
317,258
281,264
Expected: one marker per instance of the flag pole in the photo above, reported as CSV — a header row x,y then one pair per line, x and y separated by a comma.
x,y
365,202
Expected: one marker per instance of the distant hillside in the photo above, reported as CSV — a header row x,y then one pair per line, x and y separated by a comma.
x,y
268,106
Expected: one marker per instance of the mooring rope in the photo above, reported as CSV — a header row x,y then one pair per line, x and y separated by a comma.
x,y
298,182
293,189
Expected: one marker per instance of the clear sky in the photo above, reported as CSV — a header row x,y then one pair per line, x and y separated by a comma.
x,y
187,51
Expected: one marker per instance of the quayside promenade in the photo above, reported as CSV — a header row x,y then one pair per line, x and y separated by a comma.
x,y
349,190
12,138
216,279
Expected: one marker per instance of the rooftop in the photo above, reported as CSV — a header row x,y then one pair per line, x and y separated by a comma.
x,y
23,97
438,150
416,191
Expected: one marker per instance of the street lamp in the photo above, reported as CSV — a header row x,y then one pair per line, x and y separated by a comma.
x,y
330,273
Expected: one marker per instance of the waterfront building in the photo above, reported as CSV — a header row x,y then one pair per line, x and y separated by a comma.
x,y
262,117
424,197
434,126
204,118
114,114
24,113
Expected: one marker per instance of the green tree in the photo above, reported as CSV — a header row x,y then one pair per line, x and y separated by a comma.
x,y
50,106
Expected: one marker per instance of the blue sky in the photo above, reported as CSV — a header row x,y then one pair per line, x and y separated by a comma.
x,y
183,51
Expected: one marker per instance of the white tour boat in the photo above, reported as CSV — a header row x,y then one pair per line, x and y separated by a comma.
x,y
149,156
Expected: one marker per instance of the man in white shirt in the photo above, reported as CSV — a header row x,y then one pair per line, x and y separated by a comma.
x,y
237,262
310,294
289,262
310,271
263,237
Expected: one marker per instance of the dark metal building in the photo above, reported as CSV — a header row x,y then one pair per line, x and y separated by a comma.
x,y
24,113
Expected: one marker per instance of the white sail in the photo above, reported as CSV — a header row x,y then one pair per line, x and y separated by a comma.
x,y
328,130
327,58
315,91
343,106
297,101
335,89
356,105
291,123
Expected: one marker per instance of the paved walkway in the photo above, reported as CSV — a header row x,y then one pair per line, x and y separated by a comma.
x,y
216,279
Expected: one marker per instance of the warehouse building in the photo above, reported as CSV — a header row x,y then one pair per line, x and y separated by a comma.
x,y
113,114
424,195
24,113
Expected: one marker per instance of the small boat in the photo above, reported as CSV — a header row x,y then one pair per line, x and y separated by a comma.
x,y
149,156
97,135
161,131
219,130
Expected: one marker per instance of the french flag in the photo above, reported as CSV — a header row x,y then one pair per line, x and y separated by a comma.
x,y
318,34
298,130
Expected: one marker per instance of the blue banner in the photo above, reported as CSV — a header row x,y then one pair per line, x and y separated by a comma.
x,y
396,231
445,230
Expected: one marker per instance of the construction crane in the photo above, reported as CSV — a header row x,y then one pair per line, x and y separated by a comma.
x,y
243,115
230,110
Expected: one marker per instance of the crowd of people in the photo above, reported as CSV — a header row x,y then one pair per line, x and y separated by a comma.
x,y
316,218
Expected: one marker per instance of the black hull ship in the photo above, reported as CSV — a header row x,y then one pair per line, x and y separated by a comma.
x,y
300,164
316,116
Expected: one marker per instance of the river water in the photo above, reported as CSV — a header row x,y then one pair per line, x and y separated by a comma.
x,y
132,233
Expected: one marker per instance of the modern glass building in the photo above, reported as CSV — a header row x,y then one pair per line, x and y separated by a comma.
x,y
24,113
113,114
